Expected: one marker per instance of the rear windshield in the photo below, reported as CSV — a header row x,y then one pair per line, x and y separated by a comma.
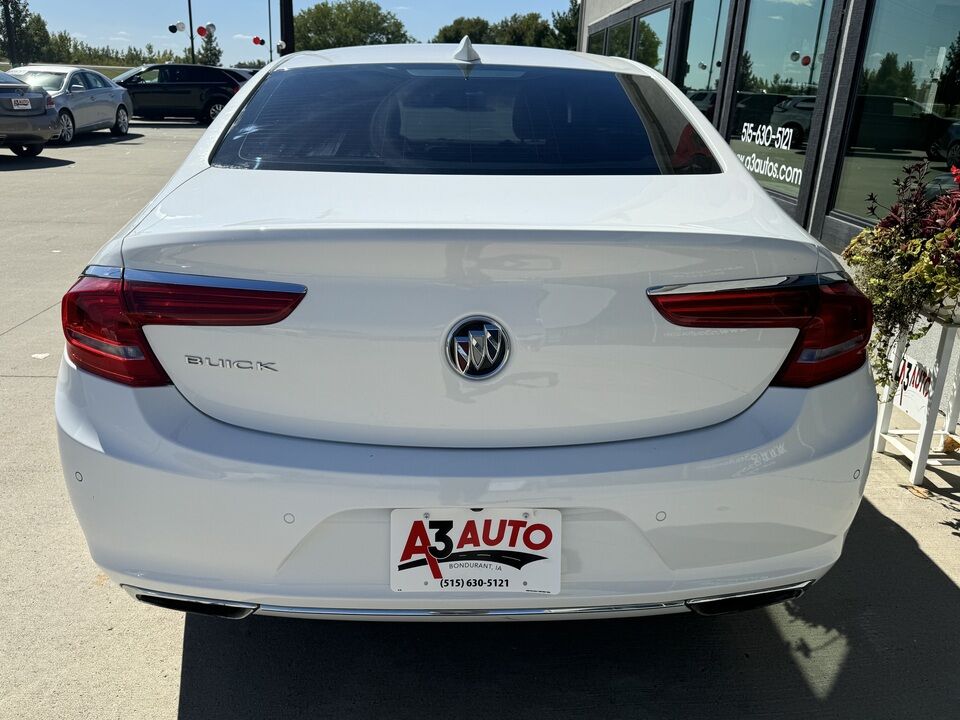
x,y
238,75
9,79
51,81
477,120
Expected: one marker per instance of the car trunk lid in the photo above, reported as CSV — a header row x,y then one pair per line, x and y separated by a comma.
x,y
363,356
17,94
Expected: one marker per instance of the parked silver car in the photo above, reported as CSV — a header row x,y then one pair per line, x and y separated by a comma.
x,y
28,118
85,100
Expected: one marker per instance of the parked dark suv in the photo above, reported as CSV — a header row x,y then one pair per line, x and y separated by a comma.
x,y
880,122
196,91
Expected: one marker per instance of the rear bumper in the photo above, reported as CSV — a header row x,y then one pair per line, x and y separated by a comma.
x,y
175,502
30,130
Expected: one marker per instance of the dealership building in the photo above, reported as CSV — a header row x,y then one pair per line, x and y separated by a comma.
x,y
824,101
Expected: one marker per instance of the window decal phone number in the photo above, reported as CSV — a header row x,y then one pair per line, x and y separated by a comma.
x,y
766,136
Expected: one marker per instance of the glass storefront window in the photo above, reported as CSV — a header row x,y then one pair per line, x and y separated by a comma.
x,y
908,103
651,45
618,39
705,22
595,43
776,86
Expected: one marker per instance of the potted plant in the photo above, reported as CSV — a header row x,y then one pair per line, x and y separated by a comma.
x,y
908,263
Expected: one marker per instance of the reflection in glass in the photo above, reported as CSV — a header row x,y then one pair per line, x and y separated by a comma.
x,y
704,25
908,104
595,43
618,42
651,45
777,78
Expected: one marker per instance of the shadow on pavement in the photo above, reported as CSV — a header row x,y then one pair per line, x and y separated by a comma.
x,y
180,123
9,161
102,137
876,638
946,493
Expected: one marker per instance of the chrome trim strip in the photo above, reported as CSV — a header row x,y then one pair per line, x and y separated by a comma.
x,y
749,284
400,613
168,278
102,271
801,586
468,613
136,591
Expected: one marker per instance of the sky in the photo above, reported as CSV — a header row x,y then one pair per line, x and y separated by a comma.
x,y
137,22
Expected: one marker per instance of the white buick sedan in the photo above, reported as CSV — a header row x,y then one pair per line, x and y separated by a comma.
x,y
429,331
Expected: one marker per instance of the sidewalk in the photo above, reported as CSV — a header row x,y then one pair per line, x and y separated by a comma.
x,y
931,512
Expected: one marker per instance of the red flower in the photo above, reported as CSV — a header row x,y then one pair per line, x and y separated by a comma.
x,y
955,171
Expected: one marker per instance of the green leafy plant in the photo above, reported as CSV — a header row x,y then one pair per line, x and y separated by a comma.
x,y
908,263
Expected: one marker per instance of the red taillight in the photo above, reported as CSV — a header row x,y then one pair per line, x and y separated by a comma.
x,y
103,319
103,339
834,321
834,342
169,304
760,308
50,103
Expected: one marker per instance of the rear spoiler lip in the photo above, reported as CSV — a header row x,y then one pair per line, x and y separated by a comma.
x,y
190,280
22,86
783,281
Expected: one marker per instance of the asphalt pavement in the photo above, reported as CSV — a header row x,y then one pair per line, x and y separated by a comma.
x,y
876,638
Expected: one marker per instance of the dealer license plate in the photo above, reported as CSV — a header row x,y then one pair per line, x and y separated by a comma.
x,y
464,550
21,103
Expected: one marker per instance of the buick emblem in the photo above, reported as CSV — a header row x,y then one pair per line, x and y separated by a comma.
x,y
477,348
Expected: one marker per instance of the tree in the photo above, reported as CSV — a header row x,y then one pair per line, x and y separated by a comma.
x,y
747,81
566,26
476,27
24,38
949,90
779,85
890,78
36,39
60,47
14,15
210,51
346,23
648,45
251,64
530,29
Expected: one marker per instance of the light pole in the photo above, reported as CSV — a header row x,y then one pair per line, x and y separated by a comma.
x,y
816,44
270,27
713,52
286,27
193,51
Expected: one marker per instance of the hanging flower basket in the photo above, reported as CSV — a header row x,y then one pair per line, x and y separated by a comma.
x,y
908,264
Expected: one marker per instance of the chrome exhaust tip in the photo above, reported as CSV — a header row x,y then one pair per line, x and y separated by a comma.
x,y
739,602
227,609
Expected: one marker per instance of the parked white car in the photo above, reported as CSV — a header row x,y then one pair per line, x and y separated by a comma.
x,y
515,337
